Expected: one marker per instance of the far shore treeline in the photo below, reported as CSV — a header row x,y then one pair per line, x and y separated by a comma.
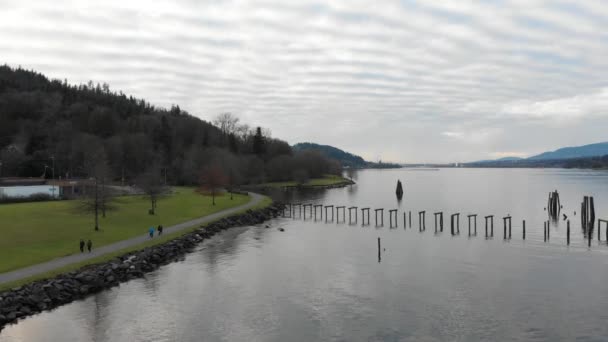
x,y
74,129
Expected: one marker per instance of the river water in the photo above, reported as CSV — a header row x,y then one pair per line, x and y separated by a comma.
x,y
320,281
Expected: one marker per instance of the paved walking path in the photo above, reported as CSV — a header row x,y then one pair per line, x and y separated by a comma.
x,y
64,261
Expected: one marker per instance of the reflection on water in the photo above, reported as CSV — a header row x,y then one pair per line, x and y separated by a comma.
x,y
318,281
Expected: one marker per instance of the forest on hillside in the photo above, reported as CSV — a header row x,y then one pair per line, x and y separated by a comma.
x,y
49,126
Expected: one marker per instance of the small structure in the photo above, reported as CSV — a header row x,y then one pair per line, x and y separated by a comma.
x,y
399,191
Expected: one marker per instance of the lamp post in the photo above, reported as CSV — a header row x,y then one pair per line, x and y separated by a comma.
x,y
53,169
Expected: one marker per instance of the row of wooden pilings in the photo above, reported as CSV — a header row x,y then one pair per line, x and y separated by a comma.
x,y
316,212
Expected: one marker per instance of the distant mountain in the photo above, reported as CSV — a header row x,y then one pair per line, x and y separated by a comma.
x,y
509,159
592,150
593,156
347,159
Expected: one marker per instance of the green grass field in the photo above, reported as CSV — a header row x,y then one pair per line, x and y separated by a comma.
x,y
31,233
327,180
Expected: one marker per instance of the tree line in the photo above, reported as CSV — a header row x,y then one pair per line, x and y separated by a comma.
x,y
89,131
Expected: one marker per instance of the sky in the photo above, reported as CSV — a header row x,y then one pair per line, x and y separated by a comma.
x,y
403,81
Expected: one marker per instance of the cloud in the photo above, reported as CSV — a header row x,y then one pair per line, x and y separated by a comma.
x,y
452,78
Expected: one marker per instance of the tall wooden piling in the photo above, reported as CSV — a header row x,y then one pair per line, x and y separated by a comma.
x,y
350,209
332,213
523,223
548,230
320,206
438,220
379,249
491,219
363,212
544,231
421,220
409,219
392,212
568,232
381,210
455,228
474,216
338,214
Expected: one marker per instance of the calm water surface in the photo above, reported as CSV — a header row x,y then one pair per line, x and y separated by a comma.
x,y
319,281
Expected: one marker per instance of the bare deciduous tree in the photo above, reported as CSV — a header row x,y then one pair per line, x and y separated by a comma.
x,y
152,184
99,198
212,179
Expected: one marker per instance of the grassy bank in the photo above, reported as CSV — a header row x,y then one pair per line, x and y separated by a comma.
x,y
32,233
328,180
266,202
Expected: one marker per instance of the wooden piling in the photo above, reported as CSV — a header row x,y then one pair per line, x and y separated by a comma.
x,y
381,217
363,211
524,229
410,218
320,206
548,230
545,231
350,209
568,232
379,249
421,220
338,214
392,212
332,213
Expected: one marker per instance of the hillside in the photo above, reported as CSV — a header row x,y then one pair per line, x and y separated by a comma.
x,y
49,127
345,158
591,150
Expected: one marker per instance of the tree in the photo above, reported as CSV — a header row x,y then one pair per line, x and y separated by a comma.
x,y
212,180
152,184
99,198
227,123
258,142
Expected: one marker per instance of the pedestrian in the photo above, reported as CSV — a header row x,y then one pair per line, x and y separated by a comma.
x,y
81,245
151,232
160,229
89,245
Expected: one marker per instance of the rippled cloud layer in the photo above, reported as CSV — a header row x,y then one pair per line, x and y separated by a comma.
x,y
398,80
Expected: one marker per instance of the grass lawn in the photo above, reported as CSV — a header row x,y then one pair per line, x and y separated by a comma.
x,y
31,233
327,180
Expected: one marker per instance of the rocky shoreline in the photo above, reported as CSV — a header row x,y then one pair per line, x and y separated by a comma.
x,y
50,293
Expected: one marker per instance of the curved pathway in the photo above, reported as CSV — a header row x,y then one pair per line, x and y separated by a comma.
x,y
117,246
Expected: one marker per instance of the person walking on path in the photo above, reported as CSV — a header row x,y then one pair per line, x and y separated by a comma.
x,y
89,245
81,245
160,229
151,232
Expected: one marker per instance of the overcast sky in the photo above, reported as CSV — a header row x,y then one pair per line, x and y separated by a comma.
x,y
408,81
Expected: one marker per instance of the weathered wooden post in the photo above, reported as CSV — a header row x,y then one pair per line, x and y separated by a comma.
x,y
338,214
506,223
320,206
381,210
399,190
391,213
524,229
363,212
421,220
379,255
457,226
332,213
350,221
404,220
599,227
440,216
474,216
410,218
491,217
310,210
568,233
548,230
544,231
